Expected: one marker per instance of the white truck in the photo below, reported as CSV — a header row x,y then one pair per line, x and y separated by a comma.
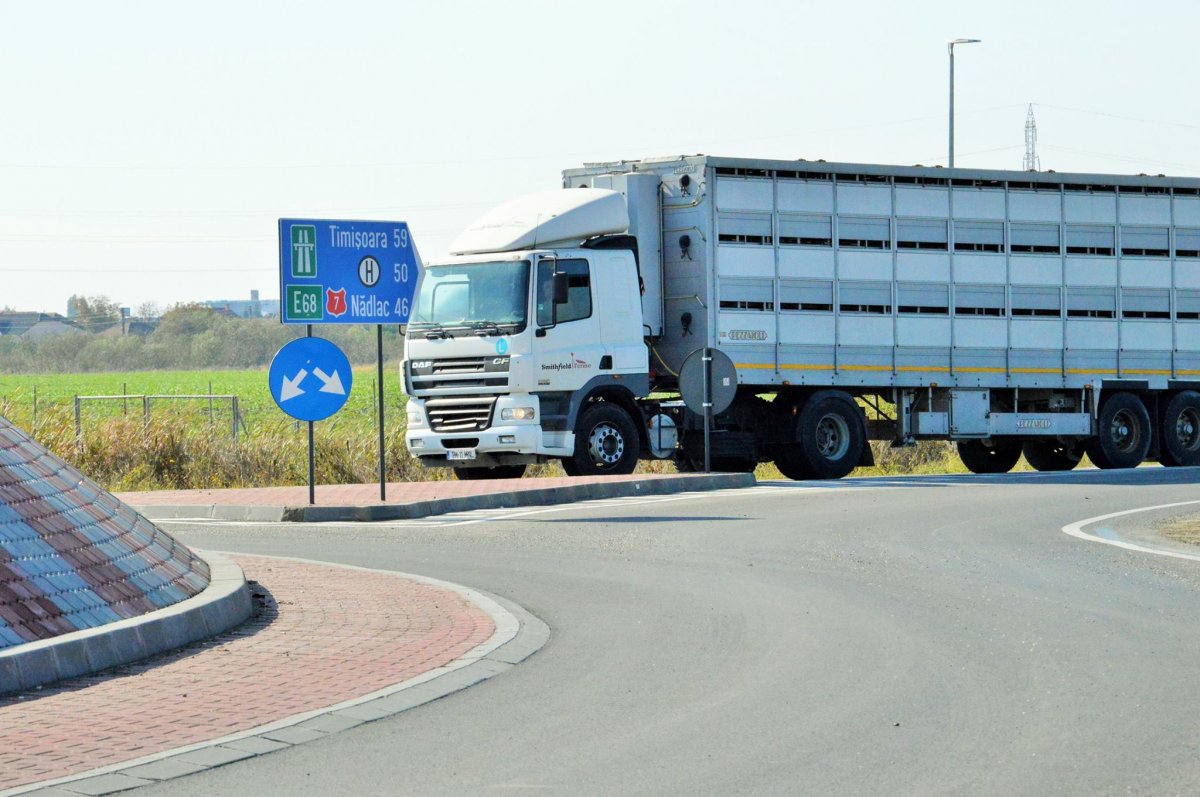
x,y
1034,312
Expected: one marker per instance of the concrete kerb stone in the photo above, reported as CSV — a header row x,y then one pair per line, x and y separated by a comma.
x,y
545,496
224,604
518,636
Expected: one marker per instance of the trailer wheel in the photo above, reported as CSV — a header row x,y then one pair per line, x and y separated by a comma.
x,y
1180,430
1052,455
496,472
793,466
606,442
1123,437
830,436
989,456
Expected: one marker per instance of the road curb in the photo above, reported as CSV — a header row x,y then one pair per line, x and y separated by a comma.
x,y
518,636
418,509
224,604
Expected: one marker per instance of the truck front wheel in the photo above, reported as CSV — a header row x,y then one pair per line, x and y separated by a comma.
x,y
1181,430
992,456
1123,433
606,442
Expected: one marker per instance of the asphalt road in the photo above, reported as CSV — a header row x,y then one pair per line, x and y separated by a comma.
x,y
908,636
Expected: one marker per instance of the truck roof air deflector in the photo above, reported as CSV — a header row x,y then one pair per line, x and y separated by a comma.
x,y
545,218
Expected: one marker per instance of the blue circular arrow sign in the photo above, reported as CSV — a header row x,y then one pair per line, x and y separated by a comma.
x,y
310,379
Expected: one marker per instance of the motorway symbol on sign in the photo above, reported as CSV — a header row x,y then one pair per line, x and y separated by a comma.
x,y
304,251
310,379
346,272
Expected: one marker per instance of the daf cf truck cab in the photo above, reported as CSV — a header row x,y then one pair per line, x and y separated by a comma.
x,y
526,344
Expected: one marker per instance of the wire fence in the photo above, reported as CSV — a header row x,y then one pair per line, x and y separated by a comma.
x,y
167,434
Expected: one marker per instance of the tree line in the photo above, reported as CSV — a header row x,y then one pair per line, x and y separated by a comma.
x,y
187,337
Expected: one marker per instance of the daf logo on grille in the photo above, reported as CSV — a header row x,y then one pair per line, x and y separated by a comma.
x,y
422,364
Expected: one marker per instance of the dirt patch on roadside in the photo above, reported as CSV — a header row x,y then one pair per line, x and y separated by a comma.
x,y
1183,529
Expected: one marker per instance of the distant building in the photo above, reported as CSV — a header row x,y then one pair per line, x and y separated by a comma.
x,y
35,326
243,308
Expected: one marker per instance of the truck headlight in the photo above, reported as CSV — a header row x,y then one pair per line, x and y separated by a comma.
x,y
517,414
414,417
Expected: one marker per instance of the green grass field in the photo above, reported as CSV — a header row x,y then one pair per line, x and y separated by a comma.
x,y
56,394
190,443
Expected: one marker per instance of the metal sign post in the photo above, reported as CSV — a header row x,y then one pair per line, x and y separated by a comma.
x,y
310,379
708,384
312,456
707,408
379,377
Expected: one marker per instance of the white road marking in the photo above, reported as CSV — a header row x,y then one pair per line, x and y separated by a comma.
x,y
1076,530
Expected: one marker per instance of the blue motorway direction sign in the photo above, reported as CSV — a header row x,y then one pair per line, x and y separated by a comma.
x,y
345,272
310,379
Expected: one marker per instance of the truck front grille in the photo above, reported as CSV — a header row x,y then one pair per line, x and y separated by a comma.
x,y
459,372
459,415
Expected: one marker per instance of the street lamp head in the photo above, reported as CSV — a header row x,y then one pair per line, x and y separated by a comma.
x,y
953,42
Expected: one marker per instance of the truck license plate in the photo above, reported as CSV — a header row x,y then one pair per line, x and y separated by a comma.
x,y
460,453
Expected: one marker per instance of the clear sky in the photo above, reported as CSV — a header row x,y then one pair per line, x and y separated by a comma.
x,y
148,148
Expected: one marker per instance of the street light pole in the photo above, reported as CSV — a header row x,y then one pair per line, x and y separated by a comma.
x,y
950,47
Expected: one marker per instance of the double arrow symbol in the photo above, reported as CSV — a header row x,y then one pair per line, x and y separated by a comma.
x,y
330,384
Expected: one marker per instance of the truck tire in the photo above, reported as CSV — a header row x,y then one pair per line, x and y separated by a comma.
x,y
1052,455
606,442
1123,437
830,436
989,456
496,472
793,467
1180,429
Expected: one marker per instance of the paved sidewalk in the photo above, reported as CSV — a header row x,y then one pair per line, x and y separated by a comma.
x,y
322,635
414,499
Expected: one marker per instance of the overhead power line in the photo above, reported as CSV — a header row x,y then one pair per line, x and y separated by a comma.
x,y
1185,125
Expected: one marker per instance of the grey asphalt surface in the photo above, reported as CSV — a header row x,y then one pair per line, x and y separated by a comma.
x,y
934,635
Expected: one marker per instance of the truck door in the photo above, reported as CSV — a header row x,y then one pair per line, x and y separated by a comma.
x,y
567,347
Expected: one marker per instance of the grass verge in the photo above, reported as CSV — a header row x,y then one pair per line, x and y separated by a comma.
x,y
1181,529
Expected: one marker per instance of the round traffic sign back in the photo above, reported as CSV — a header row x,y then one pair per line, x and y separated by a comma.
x,y
723,381
310,379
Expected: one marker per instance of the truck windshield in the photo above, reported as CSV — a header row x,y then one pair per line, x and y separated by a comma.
x,y
473,297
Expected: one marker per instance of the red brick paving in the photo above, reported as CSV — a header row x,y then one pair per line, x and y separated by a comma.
x,y
325,635
368,494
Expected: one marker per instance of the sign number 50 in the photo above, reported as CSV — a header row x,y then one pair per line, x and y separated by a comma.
x,y
400,272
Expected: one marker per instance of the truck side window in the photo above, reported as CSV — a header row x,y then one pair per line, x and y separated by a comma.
x,y
579,297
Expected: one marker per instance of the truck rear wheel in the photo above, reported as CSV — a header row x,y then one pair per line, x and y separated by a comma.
x,y
1123,436
606,442
1052,455
989,456
830,437
793,467
1181,430
496,472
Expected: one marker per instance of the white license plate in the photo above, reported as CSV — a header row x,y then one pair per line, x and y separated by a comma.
x,y
460,453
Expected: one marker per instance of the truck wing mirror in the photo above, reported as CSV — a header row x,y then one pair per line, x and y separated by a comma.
x,y
561,288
